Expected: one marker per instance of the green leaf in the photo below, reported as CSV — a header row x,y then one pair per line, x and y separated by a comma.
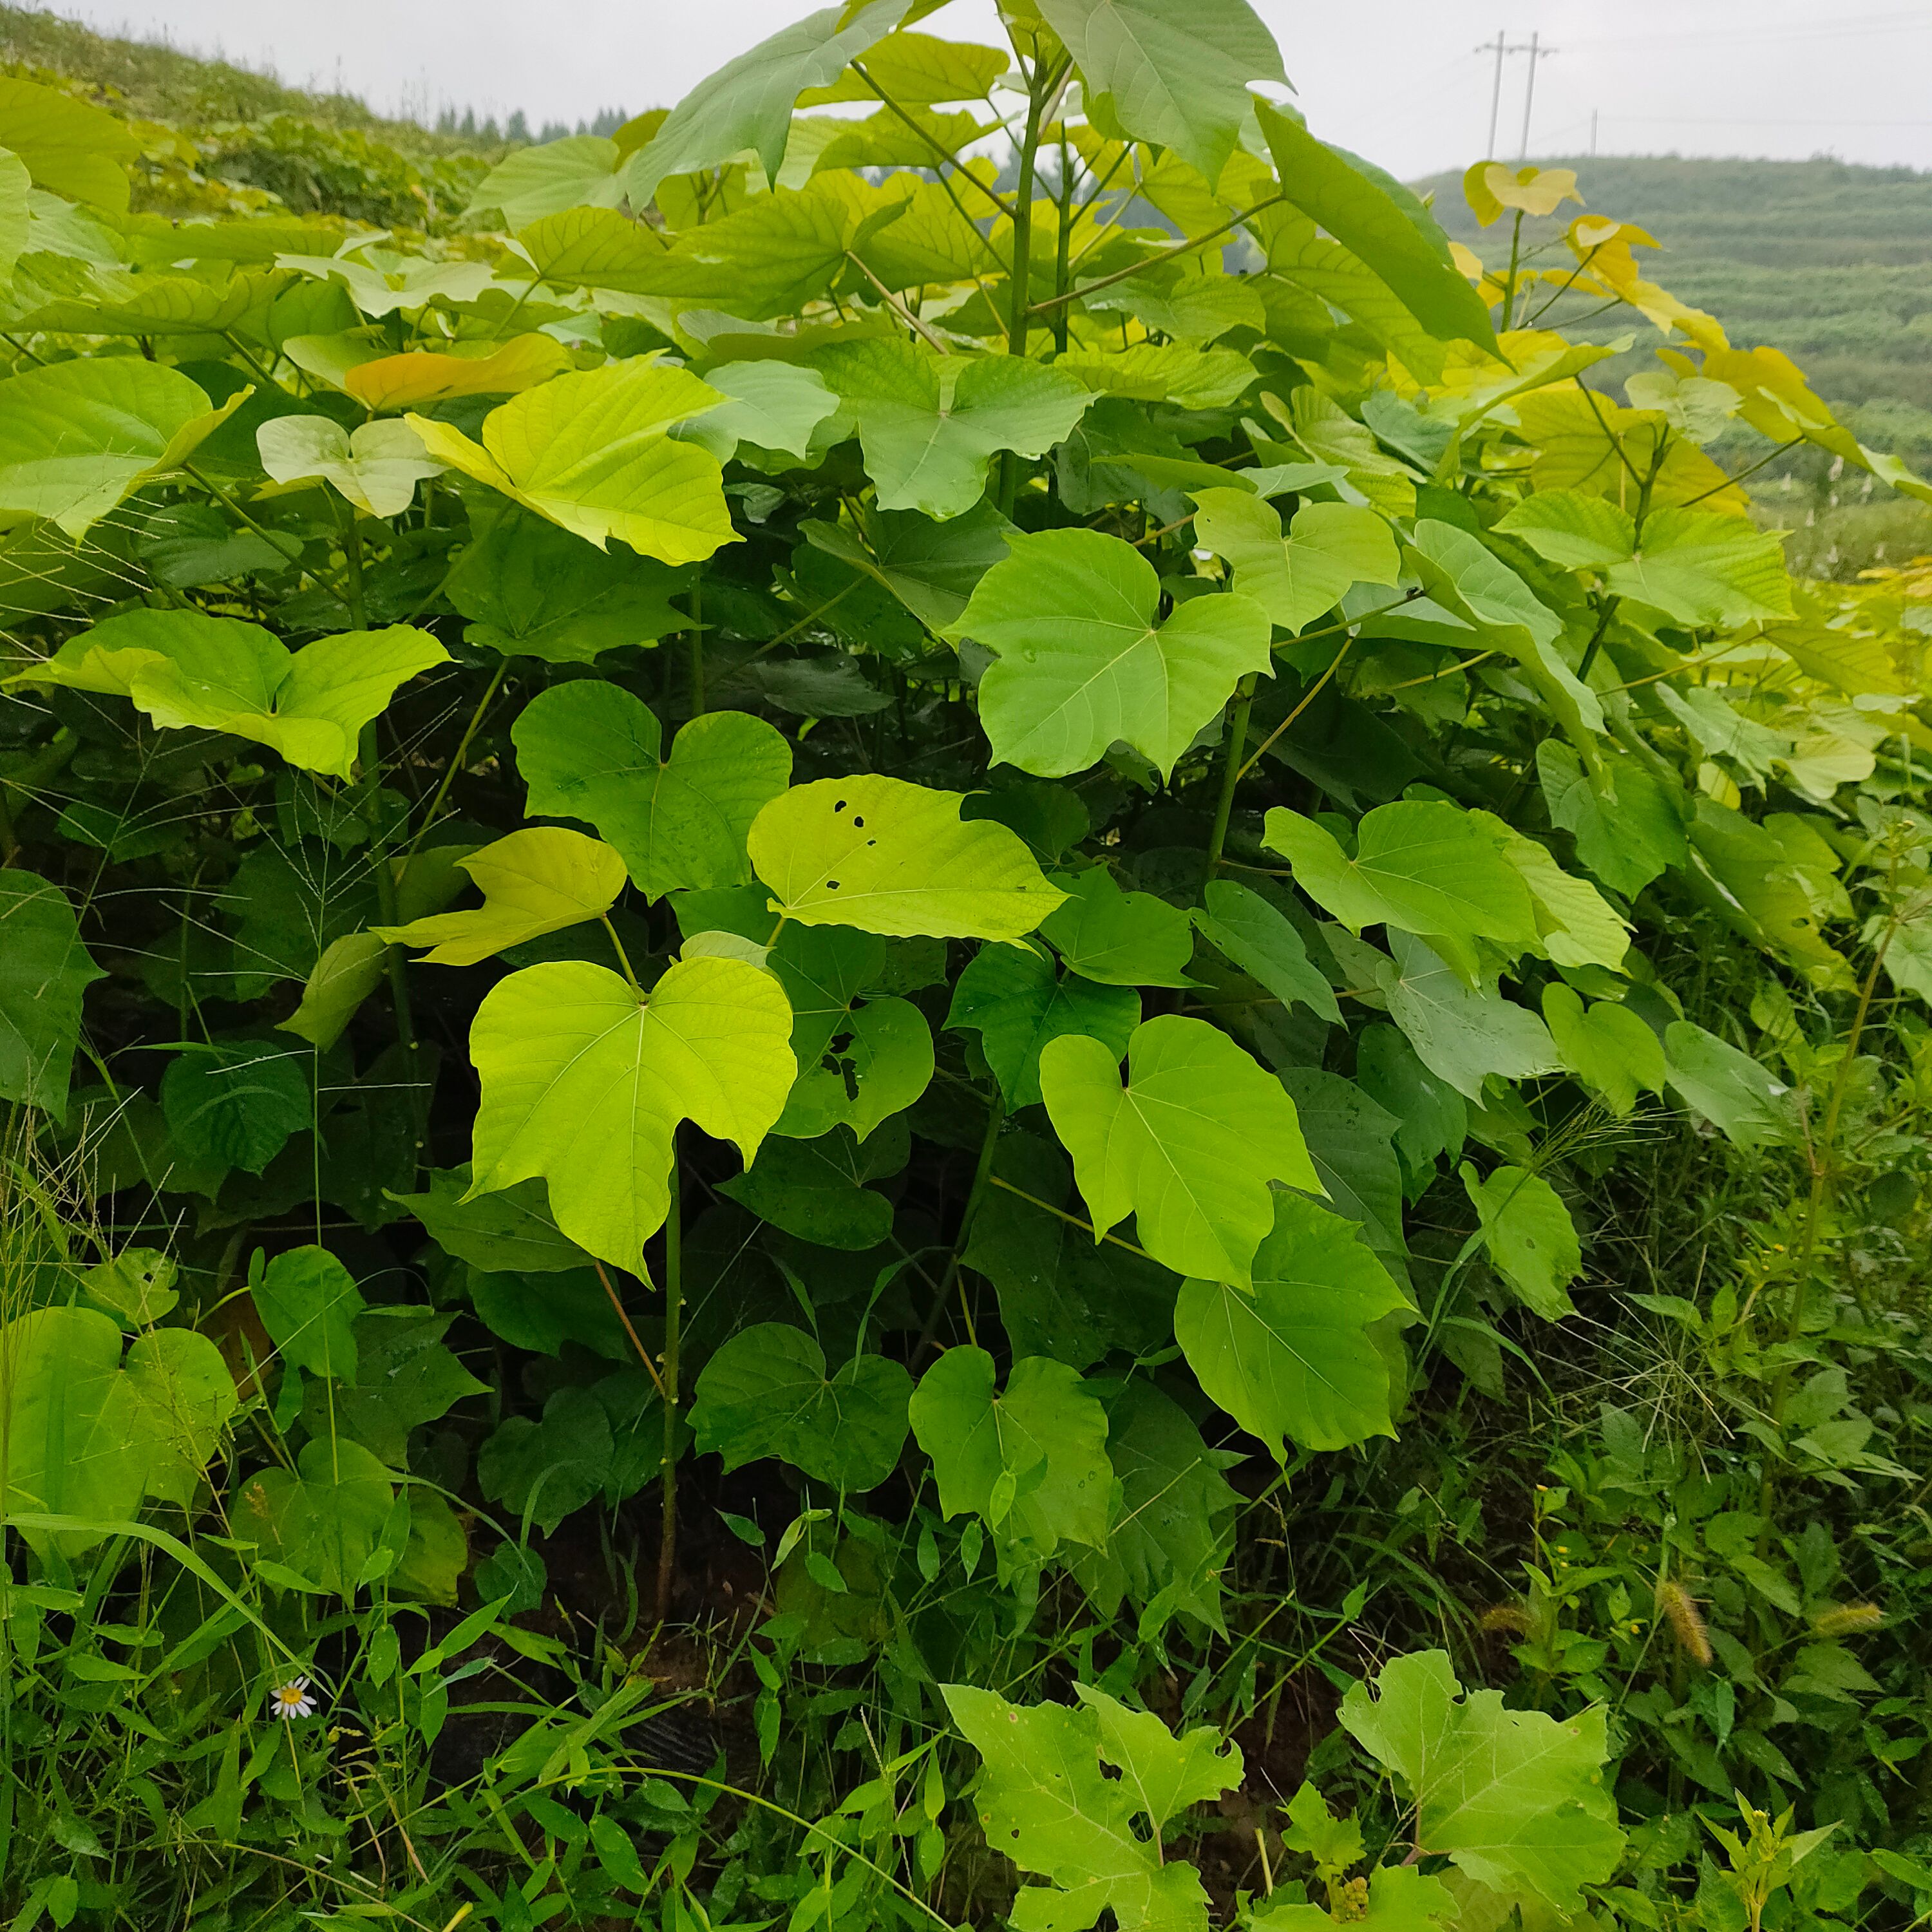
x,y
1188,1146
70,147
1082,661
1461,1033
896,859
1422,868
1045,1801
15,184
236,1103
349,970
1573,529
1744,1101
1178,78
183,1397
1607,1046
136,1287
186,670
769,405
77,439
882,1063
1575,927
1432,1117
1174,1531
308,1303
72,1419
540,880
1464,575
589,750
376,467
1292,1357
765,1393
1032,1461
931,568
325,1520
1013,999
928,424
1515,1798
1397,239
1350,1141
509,1232
546,1470
1296,575
533,589
918,70
405,1378
584,1085
1262,942
44,970
579,170
748,102
1061,1293
815,1189
1119,939
593,453
1530,1238
1626,826
1702,567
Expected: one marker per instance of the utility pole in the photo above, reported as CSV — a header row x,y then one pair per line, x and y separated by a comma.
x,y
1499,46
1536,53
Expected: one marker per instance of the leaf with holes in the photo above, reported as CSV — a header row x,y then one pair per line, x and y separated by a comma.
x,y
896,859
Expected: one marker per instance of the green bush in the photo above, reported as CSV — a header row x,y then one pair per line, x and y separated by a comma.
x,y
877,1056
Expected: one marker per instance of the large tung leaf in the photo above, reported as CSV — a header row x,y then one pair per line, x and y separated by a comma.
x,y
584,1084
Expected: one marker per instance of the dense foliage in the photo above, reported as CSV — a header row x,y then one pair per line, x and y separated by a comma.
x,y
879,1055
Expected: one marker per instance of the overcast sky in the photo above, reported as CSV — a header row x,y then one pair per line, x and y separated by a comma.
x,y
1398,80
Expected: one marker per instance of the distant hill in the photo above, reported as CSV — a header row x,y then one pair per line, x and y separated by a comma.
x,y
1830,262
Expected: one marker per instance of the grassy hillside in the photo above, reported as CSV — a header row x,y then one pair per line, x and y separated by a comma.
x,y
1831,263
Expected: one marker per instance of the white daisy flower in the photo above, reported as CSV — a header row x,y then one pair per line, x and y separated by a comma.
x,y
292,1699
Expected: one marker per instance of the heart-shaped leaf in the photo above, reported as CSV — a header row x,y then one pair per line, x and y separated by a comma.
x,y
589,750
584,1084
1083,660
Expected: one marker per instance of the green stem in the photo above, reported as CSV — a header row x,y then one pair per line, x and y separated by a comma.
x,y
1063,242
982,1173
674,1323
1509,288
695,646
1232,769
352,551
370,758
1173,253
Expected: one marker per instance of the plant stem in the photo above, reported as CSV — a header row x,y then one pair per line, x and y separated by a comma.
x,y
982,1173
1509,289
352,551
370,758
1232,769
695,646
1179,249
674,1322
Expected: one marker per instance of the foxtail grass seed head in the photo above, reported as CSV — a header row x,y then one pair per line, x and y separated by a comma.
x,y
1847,1619
1675,1606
